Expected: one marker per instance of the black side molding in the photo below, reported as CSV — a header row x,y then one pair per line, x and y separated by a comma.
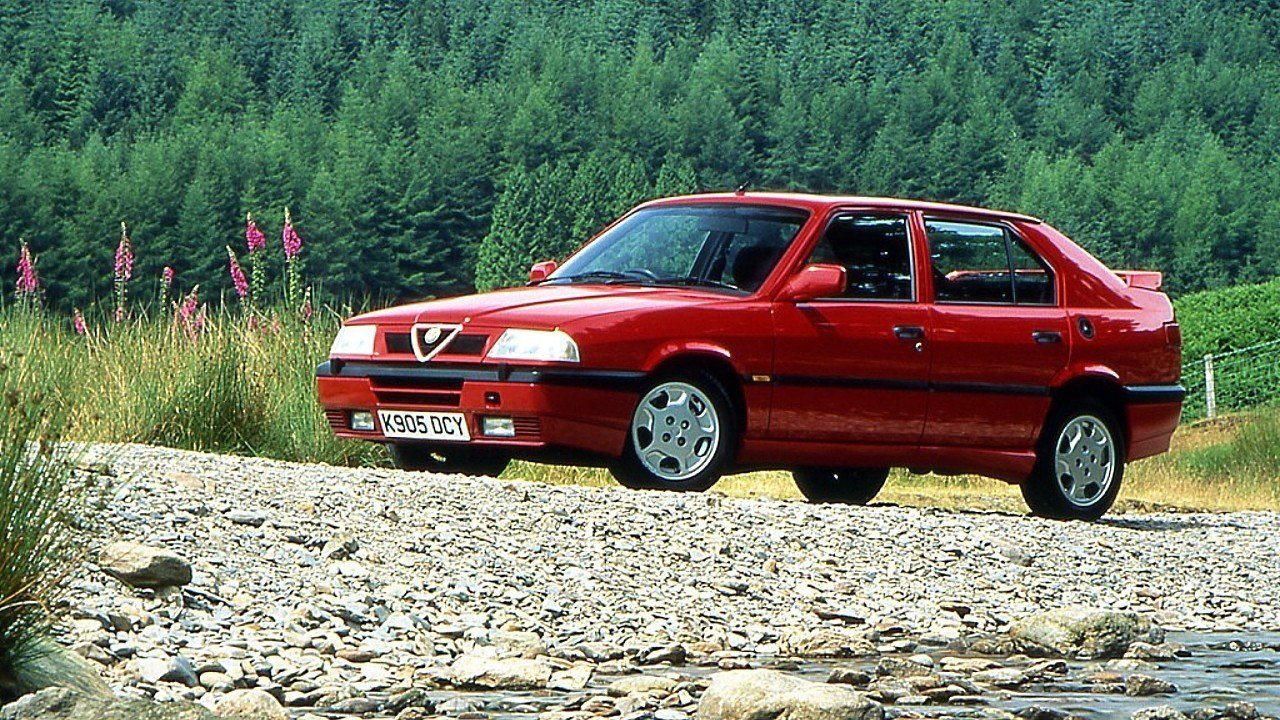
x,y
604,379
1144,394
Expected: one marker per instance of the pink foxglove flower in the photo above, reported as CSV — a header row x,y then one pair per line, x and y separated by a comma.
x,y
166,276
78,324
28,279
123,271
124,255
238,279
190,314
253,236
290,238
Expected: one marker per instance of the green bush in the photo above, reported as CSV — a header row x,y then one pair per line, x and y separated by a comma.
x,y
1217,321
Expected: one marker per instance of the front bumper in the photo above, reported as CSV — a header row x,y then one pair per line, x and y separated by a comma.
x,y
557,408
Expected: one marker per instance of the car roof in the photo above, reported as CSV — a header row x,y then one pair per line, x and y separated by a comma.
x,y
821,203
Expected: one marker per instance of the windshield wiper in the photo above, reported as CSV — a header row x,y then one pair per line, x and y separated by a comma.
x,y
609,276
690,281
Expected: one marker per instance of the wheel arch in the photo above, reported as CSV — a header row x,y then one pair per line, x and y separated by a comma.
x,y
713,363
1102,385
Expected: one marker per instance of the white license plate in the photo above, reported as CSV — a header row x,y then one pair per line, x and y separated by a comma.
x,y
424,425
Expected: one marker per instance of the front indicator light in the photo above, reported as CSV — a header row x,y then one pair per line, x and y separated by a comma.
x,y
498,427
362,420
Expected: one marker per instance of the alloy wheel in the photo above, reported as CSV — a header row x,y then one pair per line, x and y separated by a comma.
x,y
1085,460
676,431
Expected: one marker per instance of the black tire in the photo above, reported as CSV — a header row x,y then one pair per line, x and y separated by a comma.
x,y
1051,494
630,471
848,486
462,461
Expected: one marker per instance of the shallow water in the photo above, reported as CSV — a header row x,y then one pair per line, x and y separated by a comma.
x,y
1223,668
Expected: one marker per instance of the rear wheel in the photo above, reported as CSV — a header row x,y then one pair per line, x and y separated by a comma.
x,y
682,436
850,486
462,461
1079,464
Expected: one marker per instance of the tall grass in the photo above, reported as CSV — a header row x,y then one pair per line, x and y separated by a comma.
x,y
233,388
38,542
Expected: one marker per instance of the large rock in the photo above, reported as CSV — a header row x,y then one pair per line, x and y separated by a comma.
x,y
65,704
471,671
144,566
771,695
43,663
249,703
1081,632
827,642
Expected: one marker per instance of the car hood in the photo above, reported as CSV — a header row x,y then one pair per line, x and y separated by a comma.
x,y
544,307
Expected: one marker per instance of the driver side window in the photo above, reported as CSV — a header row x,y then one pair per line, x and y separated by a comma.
x,y
875,251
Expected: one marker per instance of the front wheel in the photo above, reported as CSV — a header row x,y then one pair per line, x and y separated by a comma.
x,y
682,436
461,461
849,486
1079,464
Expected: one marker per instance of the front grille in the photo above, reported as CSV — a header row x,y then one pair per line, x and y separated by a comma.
x,y
527,428
467,345
337,419
399,343
417,391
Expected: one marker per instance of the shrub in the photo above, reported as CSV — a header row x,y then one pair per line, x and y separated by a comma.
x,y
38,544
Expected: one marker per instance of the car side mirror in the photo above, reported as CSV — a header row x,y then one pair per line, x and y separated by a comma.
x,y
815,281
541,271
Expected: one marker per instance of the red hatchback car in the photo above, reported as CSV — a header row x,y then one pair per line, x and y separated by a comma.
x,y
835,337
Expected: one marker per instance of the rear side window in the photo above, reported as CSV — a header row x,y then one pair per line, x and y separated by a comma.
x,y
875,252
988,264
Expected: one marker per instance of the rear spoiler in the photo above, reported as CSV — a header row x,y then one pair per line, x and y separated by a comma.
x,y
1144,279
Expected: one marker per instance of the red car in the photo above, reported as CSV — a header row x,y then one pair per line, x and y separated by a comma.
x,y
835,337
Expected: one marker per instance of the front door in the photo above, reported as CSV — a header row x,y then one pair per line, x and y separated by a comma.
x,y
855,368
999,336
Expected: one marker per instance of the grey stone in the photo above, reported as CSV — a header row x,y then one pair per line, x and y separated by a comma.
x,y
1138,685
44,664
515,643
171,669
250,703
1081,632
1160,712
247,517
828,642
144,566
642,685
756,694
571,679
66,704
471,671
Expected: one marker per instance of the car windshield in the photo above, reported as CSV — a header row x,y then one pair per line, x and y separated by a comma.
x,y
728,247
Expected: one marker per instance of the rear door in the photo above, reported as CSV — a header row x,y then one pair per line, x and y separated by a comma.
x,y
999,335
855,368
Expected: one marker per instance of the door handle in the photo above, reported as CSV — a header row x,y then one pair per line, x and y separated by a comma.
x,y
908,332
1046,337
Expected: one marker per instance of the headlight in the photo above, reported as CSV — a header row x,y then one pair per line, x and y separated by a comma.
x,y
354,340
547,345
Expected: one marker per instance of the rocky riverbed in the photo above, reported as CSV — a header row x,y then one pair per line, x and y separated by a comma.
x,y
342,592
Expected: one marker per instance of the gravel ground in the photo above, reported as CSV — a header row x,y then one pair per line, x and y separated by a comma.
x,y
355,582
